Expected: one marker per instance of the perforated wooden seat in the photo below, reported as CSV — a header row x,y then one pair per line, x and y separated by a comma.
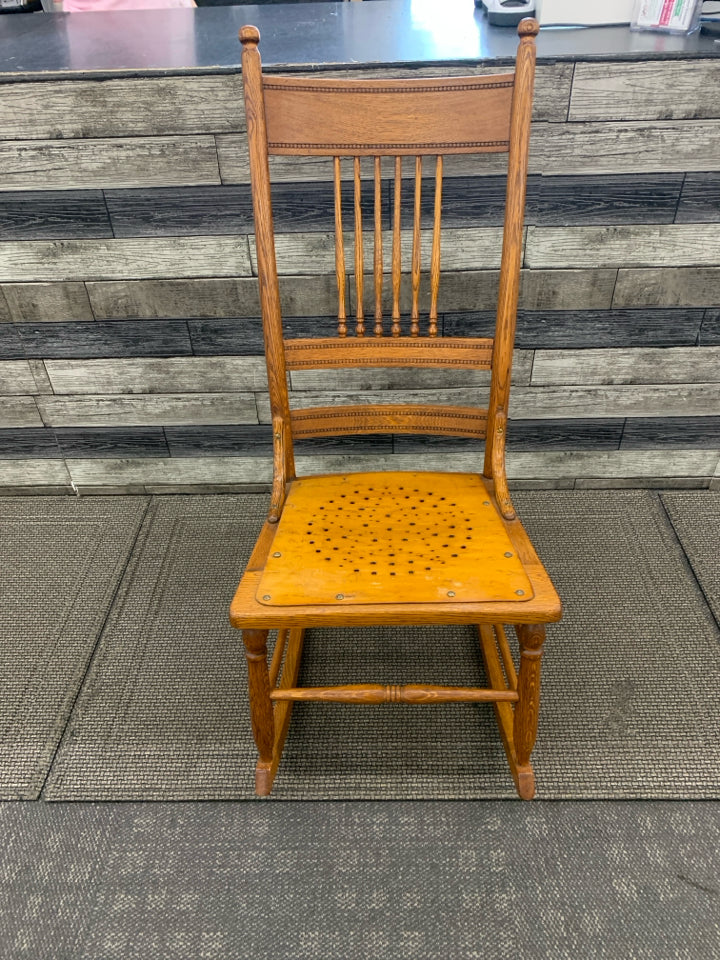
x,y
391,538
392,548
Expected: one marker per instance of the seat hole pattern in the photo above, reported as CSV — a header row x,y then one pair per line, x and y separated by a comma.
x,y
413,540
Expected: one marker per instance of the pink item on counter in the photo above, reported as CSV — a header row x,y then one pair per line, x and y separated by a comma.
x,y
91,6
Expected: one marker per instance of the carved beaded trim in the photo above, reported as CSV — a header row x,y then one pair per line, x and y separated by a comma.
x,y
388,146
439,88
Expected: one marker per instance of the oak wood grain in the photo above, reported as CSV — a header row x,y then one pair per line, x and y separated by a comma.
x,y
281,589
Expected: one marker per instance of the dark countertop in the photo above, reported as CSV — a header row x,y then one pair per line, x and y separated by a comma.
x,y
42,46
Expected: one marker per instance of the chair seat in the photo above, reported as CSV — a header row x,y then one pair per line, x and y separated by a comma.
x,y
401,546
391,538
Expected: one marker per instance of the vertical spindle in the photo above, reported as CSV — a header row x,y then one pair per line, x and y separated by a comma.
x,y
396,250
435,256
378,253
339,252
360,316
415,310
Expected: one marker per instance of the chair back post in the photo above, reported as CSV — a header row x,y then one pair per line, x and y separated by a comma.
x,y
521,117
267,267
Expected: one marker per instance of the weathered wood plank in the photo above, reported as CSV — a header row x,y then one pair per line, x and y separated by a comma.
x,y
650,90
402,378
303,254
178,299
10,346
30,473
16,378
595,434
161,409
625,400
42,381
47,302
244,337
619,147
467,202
180,211
52,214
121,107
256,441
565,329
86,164
173,299
668,287
640,483
82,442
132,338
19,412
700,199
28,443
710,330
49,260
650,433
562,289
227,209
635,365
612,463
5,315
623,246
170,470
173,375
539,290
622,198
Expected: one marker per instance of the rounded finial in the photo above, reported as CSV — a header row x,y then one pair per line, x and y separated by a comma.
x,y
528,27
249,34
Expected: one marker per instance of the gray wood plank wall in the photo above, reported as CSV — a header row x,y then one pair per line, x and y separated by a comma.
x,y
130,339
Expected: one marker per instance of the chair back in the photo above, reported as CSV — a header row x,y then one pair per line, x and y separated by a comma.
x,y
408,121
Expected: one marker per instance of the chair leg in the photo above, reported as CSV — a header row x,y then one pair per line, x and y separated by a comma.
x,y
261,708
531,638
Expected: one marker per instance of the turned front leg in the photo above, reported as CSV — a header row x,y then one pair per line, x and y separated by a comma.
x,y
531,637
261,708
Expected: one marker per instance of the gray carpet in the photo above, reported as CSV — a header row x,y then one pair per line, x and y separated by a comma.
x,y
60,563
360,881
696,519
630,680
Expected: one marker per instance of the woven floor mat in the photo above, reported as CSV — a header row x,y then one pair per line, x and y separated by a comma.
x,y
61,560
360,881
629,706
695,517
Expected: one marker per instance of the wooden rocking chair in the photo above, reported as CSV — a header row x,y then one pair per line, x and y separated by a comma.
x,y
394,548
